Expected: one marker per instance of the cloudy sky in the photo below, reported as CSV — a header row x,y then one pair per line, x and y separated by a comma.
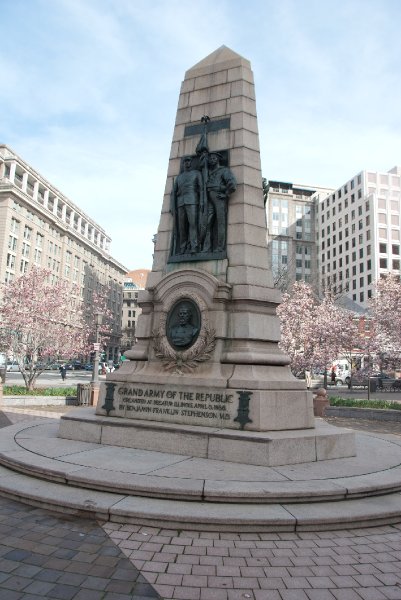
x,y
89,92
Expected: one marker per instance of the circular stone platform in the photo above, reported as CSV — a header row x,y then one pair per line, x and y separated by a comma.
x,y
125,484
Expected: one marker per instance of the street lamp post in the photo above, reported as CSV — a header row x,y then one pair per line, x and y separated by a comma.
x,y
95,372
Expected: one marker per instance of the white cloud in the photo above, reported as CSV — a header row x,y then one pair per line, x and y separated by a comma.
x,y
90,89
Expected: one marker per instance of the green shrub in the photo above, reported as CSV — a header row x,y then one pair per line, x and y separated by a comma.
x,y
363,403
20,390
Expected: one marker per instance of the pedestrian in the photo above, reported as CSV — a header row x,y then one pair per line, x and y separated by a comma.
x,y
308,379
333,375
63,372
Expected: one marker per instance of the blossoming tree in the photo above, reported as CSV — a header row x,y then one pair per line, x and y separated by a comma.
x,y
385,310
41,322
313,332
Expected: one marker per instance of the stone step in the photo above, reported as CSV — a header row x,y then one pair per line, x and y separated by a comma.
x,y
38,451
175,514
167,490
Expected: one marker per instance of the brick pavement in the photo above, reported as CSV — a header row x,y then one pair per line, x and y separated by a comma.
x,y
43,555
47,556
336,565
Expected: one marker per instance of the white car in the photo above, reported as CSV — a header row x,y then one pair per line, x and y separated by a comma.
x,y
12,365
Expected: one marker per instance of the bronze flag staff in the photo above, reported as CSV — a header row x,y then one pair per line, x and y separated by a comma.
x,y
202,150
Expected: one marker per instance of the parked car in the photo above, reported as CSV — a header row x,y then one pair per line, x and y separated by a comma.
x,y
361,379
381,375
318,378
89,367
52,366
12,365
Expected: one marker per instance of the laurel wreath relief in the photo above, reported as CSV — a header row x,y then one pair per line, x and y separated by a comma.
x,y
181,362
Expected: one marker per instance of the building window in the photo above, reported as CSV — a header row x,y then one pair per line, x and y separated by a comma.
x,y
383,248
38,256
26,248
11,261
383,263
27,232
14,226
23,266
12,243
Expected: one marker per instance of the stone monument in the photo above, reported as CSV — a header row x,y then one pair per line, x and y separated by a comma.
x,y
207,361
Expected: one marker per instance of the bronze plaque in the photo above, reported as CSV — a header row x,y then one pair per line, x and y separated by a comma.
x,y
183,324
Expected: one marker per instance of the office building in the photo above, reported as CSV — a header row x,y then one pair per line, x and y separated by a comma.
x,y
291,235
358,233
134,282
40,226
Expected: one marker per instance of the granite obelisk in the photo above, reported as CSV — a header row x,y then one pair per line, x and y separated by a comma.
x,y
207,350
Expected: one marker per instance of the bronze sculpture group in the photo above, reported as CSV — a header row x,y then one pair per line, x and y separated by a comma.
x,y
199,206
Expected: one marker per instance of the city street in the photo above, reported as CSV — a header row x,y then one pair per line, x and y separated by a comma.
x,y
53,378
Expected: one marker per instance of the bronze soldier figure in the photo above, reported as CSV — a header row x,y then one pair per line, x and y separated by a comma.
x,y
188,197
220,185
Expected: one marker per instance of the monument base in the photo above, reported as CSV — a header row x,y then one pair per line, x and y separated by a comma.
x,y
268,448
207,406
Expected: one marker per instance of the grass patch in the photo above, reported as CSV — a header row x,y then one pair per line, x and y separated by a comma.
x,y
20,390
363,403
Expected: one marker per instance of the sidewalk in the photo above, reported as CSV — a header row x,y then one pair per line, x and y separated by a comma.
x,y
47,556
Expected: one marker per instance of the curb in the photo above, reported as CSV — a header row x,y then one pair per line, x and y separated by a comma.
x,y
374,414
24,401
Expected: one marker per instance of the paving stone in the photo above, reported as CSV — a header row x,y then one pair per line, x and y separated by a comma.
x,y
169,579
213,594
240,594
391,592
89,595
293,595
186,593
371,594
267,595
322,595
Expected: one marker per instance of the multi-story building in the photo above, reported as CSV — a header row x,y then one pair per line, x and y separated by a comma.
x,y
291,236
133,282
40,226
358,233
